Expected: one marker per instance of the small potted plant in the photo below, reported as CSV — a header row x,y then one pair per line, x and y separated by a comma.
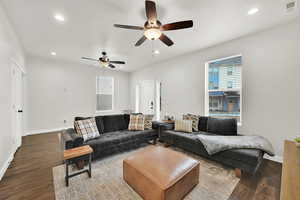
x,y
297,140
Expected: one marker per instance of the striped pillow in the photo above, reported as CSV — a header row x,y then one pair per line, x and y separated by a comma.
x,y
136,123
87,129
184,126
194,118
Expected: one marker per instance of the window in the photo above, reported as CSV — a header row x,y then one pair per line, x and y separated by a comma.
x,y
229,71
229,84
223,92
104,93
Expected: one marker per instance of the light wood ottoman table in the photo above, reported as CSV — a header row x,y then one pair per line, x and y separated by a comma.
x,y
158,173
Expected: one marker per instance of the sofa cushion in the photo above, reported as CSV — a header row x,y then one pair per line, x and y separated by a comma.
x,y
87,129
119,138
222,126
136,123
113,123
184,125
195,120
148,122
202,125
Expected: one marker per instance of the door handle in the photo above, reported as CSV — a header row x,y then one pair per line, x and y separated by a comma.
x,y
20,111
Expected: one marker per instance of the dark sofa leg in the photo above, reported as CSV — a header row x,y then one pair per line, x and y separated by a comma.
x,y
238,172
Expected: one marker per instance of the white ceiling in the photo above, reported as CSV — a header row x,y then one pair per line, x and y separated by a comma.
x,y
88,28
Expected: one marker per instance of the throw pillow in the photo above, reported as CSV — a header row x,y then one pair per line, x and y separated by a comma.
x,y
136,123
148,122
195,120
87,129
184,125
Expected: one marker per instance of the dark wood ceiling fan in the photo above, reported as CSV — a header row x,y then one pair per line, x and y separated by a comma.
x,y
153,28
104,61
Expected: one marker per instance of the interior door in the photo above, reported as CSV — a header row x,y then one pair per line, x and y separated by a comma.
x,y
17,105
147,97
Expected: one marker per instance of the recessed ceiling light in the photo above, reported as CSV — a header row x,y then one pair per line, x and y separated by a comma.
x,y
53,53
156,52
59,17
253,11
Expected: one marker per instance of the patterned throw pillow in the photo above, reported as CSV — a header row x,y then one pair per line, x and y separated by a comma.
x,y
148,122
184,126
87,129
136,123
194,118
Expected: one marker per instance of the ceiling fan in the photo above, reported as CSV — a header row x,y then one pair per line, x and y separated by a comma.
x,y
104,61
153,27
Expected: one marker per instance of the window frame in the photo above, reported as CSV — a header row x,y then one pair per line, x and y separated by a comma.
x,y
113,93
206,101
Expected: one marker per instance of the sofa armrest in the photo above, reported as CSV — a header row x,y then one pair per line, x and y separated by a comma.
x,y
71,139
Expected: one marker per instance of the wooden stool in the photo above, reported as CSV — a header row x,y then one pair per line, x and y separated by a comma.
x,y
75,153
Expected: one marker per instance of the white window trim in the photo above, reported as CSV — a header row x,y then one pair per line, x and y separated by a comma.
x,y
113,94
206,101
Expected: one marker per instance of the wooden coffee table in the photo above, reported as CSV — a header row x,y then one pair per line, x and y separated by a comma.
x,y
76,153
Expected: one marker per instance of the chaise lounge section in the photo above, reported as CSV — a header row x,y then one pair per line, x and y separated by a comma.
x,y
247,160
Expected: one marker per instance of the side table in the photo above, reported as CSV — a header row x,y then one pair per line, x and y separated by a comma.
x,y
76,153
161,125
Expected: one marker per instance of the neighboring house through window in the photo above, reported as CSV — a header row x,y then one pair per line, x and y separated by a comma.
x,y
104,93
223,88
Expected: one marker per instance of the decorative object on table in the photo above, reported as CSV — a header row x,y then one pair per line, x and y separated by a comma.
x,y
104,61
297,141
153,27
76,153
195,120
184,126
136,123
168,117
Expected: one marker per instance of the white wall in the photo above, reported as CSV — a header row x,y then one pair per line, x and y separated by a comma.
x,y
59,91
10,49
271,84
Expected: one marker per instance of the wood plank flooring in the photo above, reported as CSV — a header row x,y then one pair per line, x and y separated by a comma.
x,y
29,176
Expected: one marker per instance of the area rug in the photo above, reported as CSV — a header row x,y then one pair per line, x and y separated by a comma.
x,y
215,182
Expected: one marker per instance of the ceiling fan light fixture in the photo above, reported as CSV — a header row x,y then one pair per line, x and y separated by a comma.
x,y
152,33
104,64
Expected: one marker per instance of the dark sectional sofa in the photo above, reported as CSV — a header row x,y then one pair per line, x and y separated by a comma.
x,y
247,160
114,136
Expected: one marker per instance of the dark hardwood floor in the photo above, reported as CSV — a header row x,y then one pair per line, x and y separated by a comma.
x,y
29,176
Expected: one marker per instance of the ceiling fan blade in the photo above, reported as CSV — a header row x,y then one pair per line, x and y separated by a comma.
x,y
177,25
118,62
141,41
165,39
111,66
85,58
151,11
129,27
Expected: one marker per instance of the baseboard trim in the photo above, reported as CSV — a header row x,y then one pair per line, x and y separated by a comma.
x,y
6,164
36,132
275,158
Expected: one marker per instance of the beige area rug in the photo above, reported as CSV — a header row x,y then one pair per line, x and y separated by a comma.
x,y
215,183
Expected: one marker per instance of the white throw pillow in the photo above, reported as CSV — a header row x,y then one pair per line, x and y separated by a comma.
x,y
184,126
